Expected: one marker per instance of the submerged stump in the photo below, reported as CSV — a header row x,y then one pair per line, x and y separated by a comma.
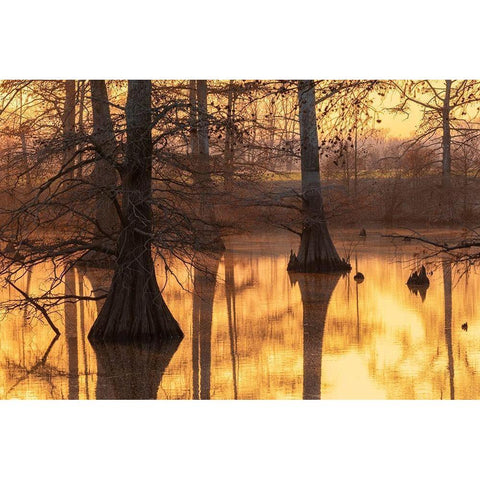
x,y
418,283
419,278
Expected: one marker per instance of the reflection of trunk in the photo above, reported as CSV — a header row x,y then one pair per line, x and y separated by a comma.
x,y
71,336
232,316
81,306
316,293
447,293
134,308
104,175
209,230
204,292
317,252
27,291
132,372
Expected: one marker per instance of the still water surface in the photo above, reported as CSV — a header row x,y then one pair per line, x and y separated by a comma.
x,y
252,331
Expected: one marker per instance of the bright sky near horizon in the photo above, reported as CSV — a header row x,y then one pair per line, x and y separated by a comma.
x,y
398,125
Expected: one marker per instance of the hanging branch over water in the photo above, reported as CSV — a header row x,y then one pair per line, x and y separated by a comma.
x,y
37,305
457,250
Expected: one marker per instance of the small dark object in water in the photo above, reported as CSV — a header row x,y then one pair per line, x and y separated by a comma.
x,y
407,239
359,277
419,278
465,326
362,233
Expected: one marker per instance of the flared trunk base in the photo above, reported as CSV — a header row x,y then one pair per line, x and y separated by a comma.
x,y
317,254
134,311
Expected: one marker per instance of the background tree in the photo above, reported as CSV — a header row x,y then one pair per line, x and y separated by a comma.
x,y
448,109
104,174
209,230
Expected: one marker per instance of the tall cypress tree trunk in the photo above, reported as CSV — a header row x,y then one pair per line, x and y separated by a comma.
x,y
134,308
446,154
229,139
193,122
81,130
68,133
209,231
316,253
104,174
23,139
69,124
446,135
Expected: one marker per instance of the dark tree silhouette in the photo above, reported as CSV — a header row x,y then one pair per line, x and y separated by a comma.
x,y
134,308
104,174
207,226
68,120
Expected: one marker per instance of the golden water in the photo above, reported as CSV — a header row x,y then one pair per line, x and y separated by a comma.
x,y
258,333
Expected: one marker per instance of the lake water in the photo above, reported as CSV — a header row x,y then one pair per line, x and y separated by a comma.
x,y
252,331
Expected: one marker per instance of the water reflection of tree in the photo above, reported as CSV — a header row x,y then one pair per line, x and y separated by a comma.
x,y
420,290
204,281
131,372
316,291
230,296
71,335
83,333
99,279
447,289
39,369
